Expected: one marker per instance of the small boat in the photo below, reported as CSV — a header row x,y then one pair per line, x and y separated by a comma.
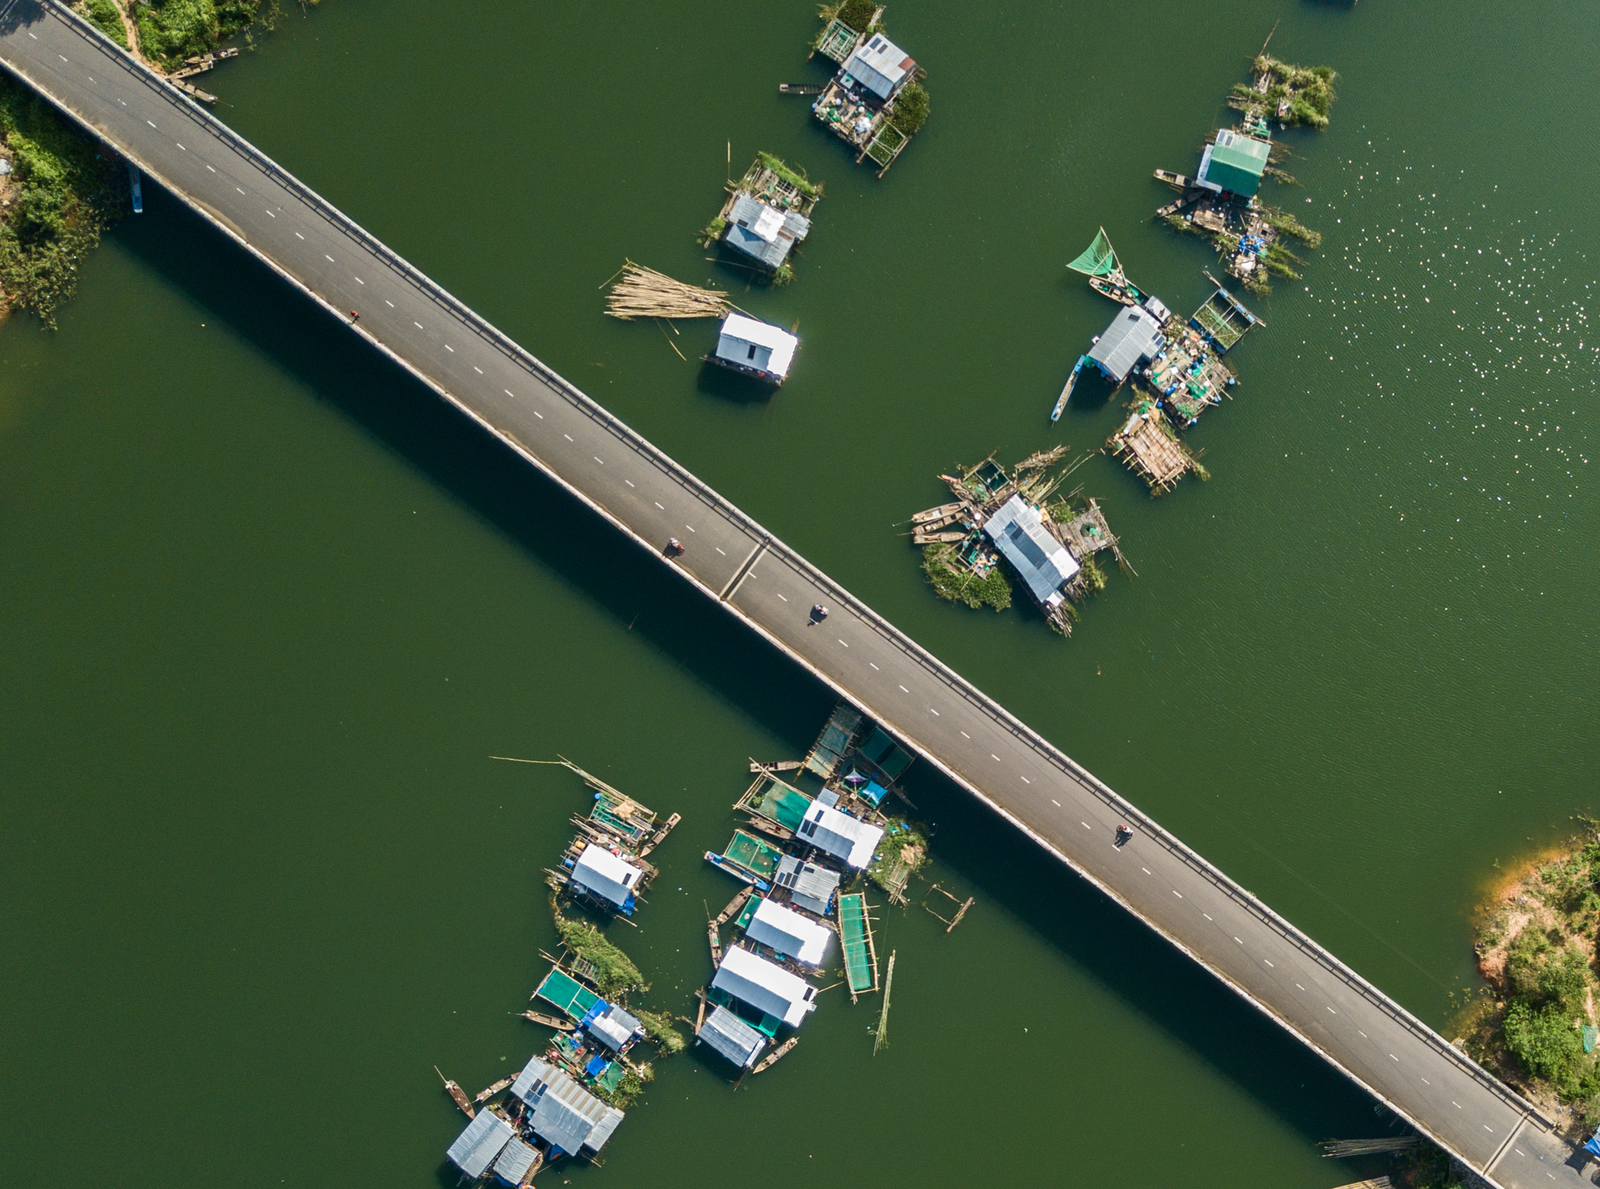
x,y
942,512
457,1094
1066,393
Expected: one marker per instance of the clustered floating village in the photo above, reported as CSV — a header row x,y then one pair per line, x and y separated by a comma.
x,y
1004,529
804,861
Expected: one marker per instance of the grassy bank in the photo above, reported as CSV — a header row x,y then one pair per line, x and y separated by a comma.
x,y
61,194
172,30
1536,1022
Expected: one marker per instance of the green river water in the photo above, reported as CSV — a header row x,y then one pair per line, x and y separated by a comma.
x,y
268,606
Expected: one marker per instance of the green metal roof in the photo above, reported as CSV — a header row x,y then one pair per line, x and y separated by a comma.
x,y
1237,162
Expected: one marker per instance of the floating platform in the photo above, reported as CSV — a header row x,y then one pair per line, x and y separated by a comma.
x,y
1150,450
855,939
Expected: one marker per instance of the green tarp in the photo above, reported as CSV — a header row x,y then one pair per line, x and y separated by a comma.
x,y
1098,259
858,958
753,854
567,993
782,804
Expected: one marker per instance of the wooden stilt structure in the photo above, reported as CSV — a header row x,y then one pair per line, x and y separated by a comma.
x,y
961,908
881,1038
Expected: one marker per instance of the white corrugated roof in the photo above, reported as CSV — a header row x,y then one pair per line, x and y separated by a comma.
x,y
810,886
732,1037
1042,561
792,935
879,65
840,834
614,1027
765,986
515,1161
606,875
570,1117
477,1146
756,344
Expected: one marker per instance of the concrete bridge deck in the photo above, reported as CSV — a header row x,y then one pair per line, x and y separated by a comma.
x,y
733,560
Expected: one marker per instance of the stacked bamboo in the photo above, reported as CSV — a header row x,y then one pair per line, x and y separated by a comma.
x,y
643,292
1341,1148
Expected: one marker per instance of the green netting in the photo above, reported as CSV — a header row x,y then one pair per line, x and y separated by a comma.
x,y
782,804
750,907
1217,325
1098,259
567,993
612,1077
853,937
753,854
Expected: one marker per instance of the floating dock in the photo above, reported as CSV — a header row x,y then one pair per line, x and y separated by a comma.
x,y
855,939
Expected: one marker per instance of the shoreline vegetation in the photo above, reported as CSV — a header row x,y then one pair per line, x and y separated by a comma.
x,y
61,189
1535,1022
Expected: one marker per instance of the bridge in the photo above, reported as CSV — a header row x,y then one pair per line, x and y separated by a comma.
x,y
735,562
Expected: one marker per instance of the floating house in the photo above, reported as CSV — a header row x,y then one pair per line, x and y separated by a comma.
x,y
561,1112
764,986
862,104
731,1037
878,67
518,1160
754,348
840,835
1041,561
1234,163
810,887
764,234
788,933
1002,522
1133,338
480,1144
611,1026
767,212
605,877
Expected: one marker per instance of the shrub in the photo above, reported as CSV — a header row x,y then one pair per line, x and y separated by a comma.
x,y
1545,1042
911,108
857,14
103,15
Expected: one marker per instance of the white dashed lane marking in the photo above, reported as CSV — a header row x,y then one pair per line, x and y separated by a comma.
x,y
964,735
567,436
477,369
1207,916
875,666
992,756
934,712
841,641
598,459
1025,780
449,348
785,598
657,503
904,690
629,482
1268,961
331,260
1177,893
174,142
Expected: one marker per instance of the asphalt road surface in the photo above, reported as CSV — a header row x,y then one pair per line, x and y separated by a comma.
x,y
732,559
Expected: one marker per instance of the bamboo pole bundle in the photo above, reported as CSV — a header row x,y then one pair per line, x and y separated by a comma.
x,y
645,293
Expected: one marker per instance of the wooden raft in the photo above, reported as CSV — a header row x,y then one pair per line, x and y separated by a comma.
x,y
1145,447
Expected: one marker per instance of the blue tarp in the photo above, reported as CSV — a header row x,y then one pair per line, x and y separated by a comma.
x,y
873,792
597,1066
